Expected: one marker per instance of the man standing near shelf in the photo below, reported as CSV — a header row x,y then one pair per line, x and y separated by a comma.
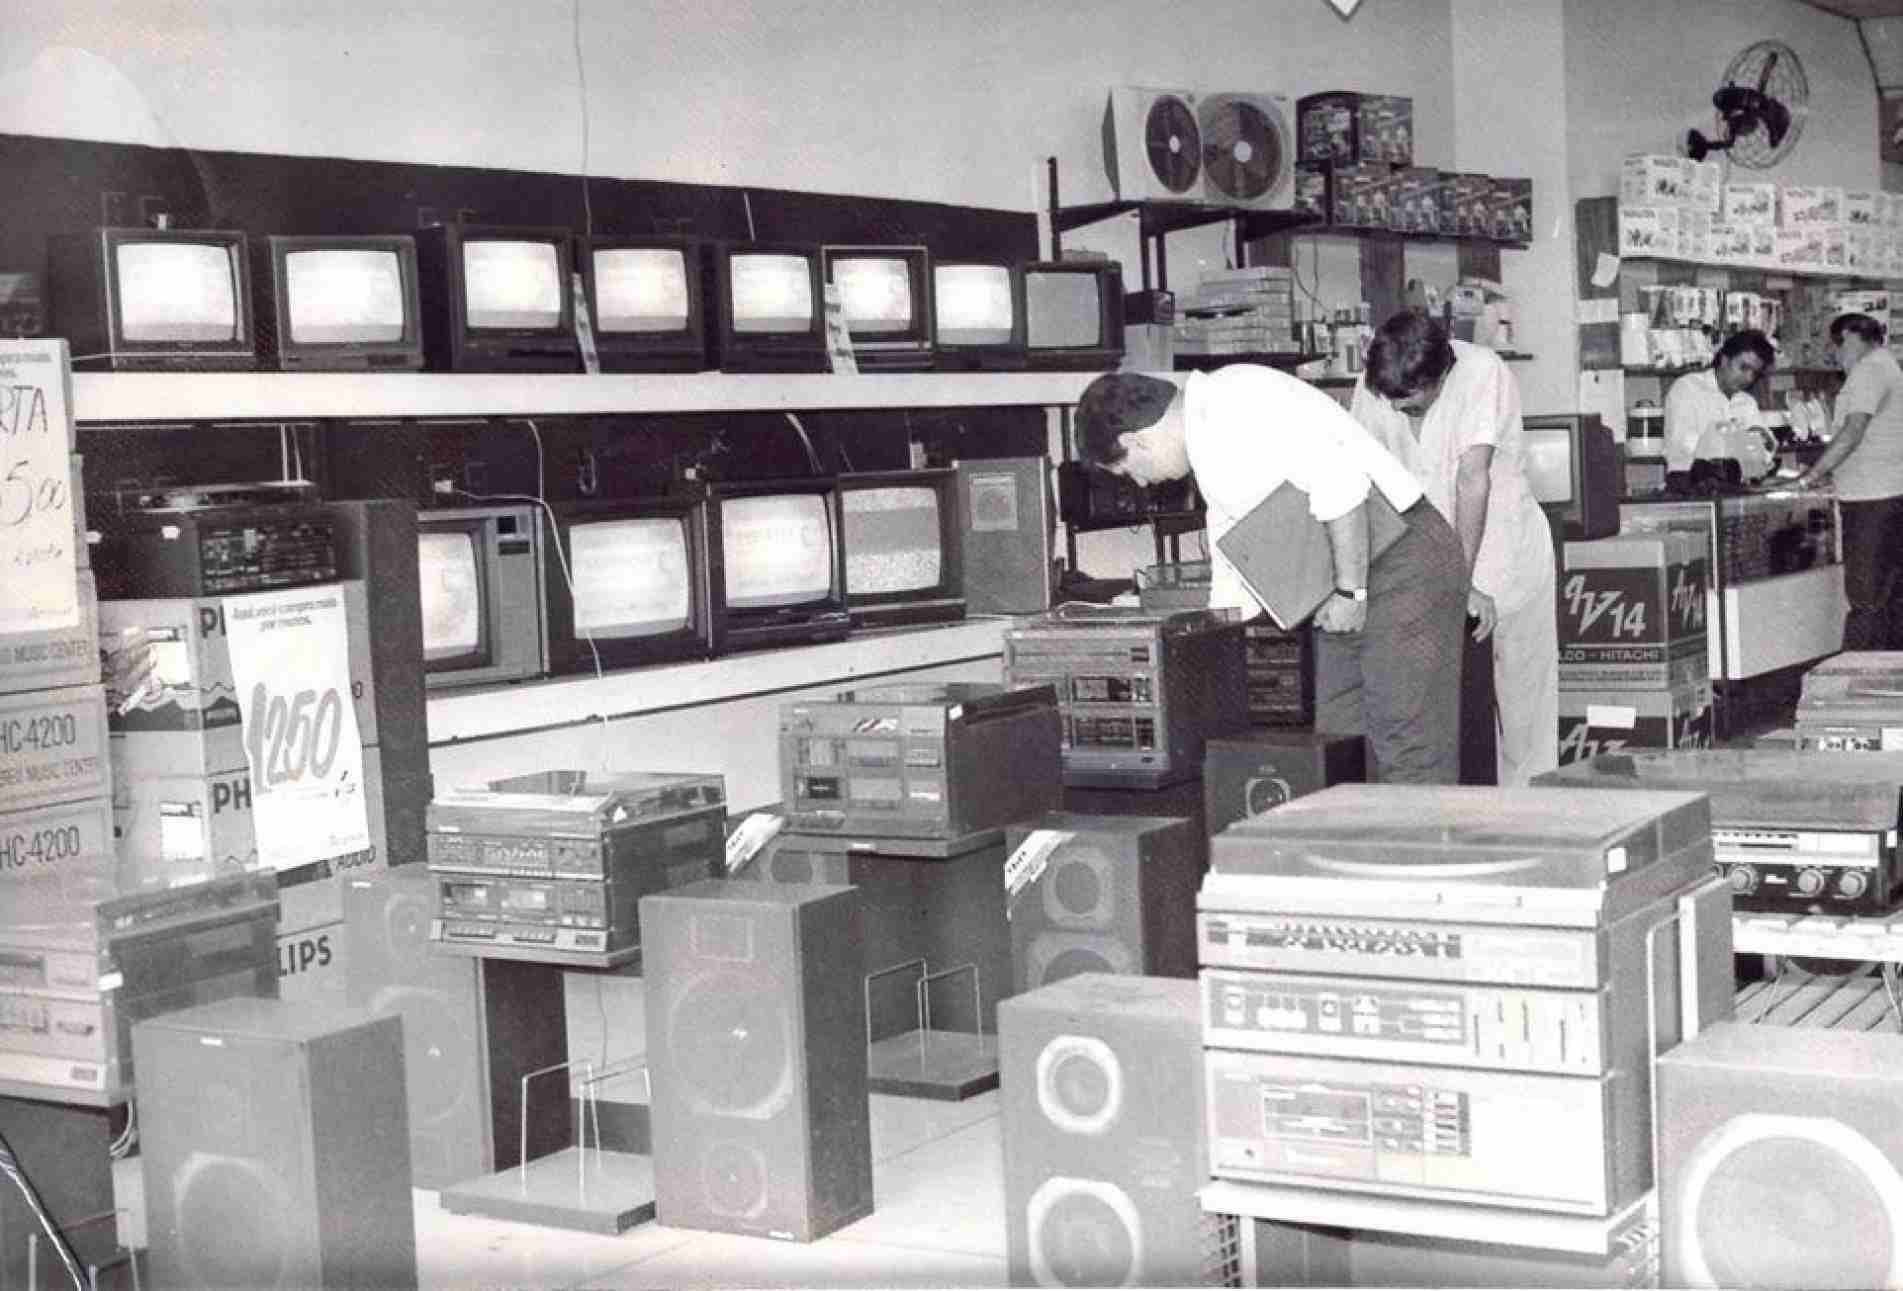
x,y
1865,458
1699,400
1450,412
1388,642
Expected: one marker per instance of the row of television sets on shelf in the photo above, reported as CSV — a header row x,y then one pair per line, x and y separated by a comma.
x,y
477,298
513,592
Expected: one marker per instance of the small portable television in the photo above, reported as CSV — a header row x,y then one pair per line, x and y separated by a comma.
x,y
978,309
631,581
480,572
886,296
904,547
337,303
781,563
768,307
1073,314
1573,466
496,299
644,301
138,299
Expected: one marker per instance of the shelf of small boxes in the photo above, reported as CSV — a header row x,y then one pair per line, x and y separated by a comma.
x,y
1233,313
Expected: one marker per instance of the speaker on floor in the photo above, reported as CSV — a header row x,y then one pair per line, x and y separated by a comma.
x,y
1781,1158
1102,1105
1118,895
756,1024
1246,775
388,968
274,1142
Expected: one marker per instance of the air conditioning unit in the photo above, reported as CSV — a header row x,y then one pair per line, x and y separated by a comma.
x,y
1152,145
1248,143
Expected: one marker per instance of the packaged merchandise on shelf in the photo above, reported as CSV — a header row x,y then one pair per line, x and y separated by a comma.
x,y
1804,207
55,657
1836,250
1473,204
1313,187
185,828
1511,209
1632,612
1648,230
1415,206
1800,247
1346,126
1648,179
1592,722
1750,204
1864,208
53,747
1694,233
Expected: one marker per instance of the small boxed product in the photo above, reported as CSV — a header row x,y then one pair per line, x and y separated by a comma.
x,y
1314,190
1862,253
1750,204
1377,187
1800,249
1473,205
1347,126
1694,233
1801,208
53,747
1836,251
55,656
1707,187
1652,179
1512,209
1648,230
1864,207
1415,207
1612,721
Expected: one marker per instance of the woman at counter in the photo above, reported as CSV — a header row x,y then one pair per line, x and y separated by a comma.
x,y
1700,400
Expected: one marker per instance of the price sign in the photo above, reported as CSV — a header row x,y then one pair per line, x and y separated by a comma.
x,y
290,662
38,565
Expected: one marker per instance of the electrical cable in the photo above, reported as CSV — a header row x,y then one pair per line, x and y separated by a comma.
x,y
10,1166
581,85
812,457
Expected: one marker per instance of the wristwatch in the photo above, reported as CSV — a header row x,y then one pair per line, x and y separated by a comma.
x,y
1352,593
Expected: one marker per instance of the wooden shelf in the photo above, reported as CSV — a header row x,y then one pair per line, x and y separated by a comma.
x,y
1155,218
1768,271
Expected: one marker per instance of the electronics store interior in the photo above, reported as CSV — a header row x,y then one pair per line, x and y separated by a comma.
x,y
614,671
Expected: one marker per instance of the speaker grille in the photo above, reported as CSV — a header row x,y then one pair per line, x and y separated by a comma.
x,y
731,1043
1056,956
1084,1233
247,1208
1081,889
734,1180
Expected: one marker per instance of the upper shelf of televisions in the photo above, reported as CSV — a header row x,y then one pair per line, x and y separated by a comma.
x,y
446,321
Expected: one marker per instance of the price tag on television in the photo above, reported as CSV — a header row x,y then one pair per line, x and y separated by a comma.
x,y
38,561
290,662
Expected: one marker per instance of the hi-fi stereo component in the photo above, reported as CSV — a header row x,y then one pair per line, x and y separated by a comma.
x,y
1853,701
214,551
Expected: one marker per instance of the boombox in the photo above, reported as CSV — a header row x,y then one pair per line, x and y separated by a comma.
x,y
1139,692
932,761
1246,775
216,551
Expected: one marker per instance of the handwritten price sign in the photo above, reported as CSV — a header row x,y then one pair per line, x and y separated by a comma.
x,y
37,562
290,660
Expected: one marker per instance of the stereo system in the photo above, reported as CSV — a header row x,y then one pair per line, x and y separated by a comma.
x,y
1281,668
1853,702
214,551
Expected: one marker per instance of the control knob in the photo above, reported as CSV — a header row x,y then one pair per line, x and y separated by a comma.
x,y
1743,879
1852,884
1810,882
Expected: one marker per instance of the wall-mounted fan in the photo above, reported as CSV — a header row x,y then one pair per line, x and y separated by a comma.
x,y
1761,108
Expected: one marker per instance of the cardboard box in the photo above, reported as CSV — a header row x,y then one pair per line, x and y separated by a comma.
x,y
1750,204
1473,205
53,747
1346,126
1864,208
312,964
1596,722
1800,248
1800,208
1651,179
67,838
1694,234
57,656
1415,206
1707,187
1632,613
1648,230
311,896
1836,249
1512,210
1313,190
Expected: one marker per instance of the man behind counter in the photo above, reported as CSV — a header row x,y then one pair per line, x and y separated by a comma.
x,y
1699,400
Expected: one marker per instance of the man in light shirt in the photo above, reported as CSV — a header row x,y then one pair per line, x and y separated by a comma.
x,y
1700,400
1388,641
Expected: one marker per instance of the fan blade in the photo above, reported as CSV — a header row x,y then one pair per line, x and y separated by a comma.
x,y
1777,120
1764,73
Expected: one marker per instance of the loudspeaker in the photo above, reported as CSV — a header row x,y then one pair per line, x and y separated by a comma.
x,y
756,1025
1007,518
388,968
1246,775
1779,1155
1102,1101
1118,896
274,1141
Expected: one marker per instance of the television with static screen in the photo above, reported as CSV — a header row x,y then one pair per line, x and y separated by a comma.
x,y
1572,465
480,572
338,303
978,306
781,568
904,550
767,307
496,299
136,299
645,301
885,294
631,580
1073,314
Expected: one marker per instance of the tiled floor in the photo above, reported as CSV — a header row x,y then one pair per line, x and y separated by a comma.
x,y
938,1220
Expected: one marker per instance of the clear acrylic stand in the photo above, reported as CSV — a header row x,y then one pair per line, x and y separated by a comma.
x,y
925,1062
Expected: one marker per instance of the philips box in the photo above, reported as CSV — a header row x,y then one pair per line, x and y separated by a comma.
x,y
1632,613
53,747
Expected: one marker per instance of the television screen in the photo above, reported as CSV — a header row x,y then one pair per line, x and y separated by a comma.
x,y
778,550
875,293
177,291
512,284
771,291
1062,310
1547,459
641,289
344,295
631,577
893,540
449,568
974,304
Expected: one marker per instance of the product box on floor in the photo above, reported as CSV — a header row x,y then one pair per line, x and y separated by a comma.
x,y
53,747
1632,613
54,656
1595,722
312,964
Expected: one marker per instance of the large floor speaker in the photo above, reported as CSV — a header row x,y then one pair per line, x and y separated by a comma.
x,y
1781,1158
756,1025
388,968
275,1146
1246,775
1103,1149
1118,896
1006,520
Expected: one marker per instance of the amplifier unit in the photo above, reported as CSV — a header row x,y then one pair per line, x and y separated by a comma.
x,y
570,826
920,761
217,551
1822,871
1139,692
1281,668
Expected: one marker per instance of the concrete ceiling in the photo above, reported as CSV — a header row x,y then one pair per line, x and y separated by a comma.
x,y
1860,8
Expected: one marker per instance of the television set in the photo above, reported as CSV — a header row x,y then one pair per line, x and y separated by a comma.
x,y
1073,314
645,301
978,313
1572,464
639,584
885,294
337,303
768,308
781,563
484,609
904,548
496,298
137,299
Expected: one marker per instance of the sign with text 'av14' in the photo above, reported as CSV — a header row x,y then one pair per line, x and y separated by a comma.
x,y
38,556
290,662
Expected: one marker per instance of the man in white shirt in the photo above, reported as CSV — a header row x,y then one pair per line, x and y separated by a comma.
x,y
1699,400
1388,642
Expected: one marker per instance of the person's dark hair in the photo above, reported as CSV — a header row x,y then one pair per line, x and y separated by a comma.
x,y
1410,353
1113,404
1750,339
1862,326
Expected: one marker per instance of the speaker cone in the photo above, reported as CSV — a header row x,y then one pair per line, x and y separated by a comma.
x,y
731,1045
1078,889
1079,1084
733,1179
1083,1233
231,1215
436,1048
